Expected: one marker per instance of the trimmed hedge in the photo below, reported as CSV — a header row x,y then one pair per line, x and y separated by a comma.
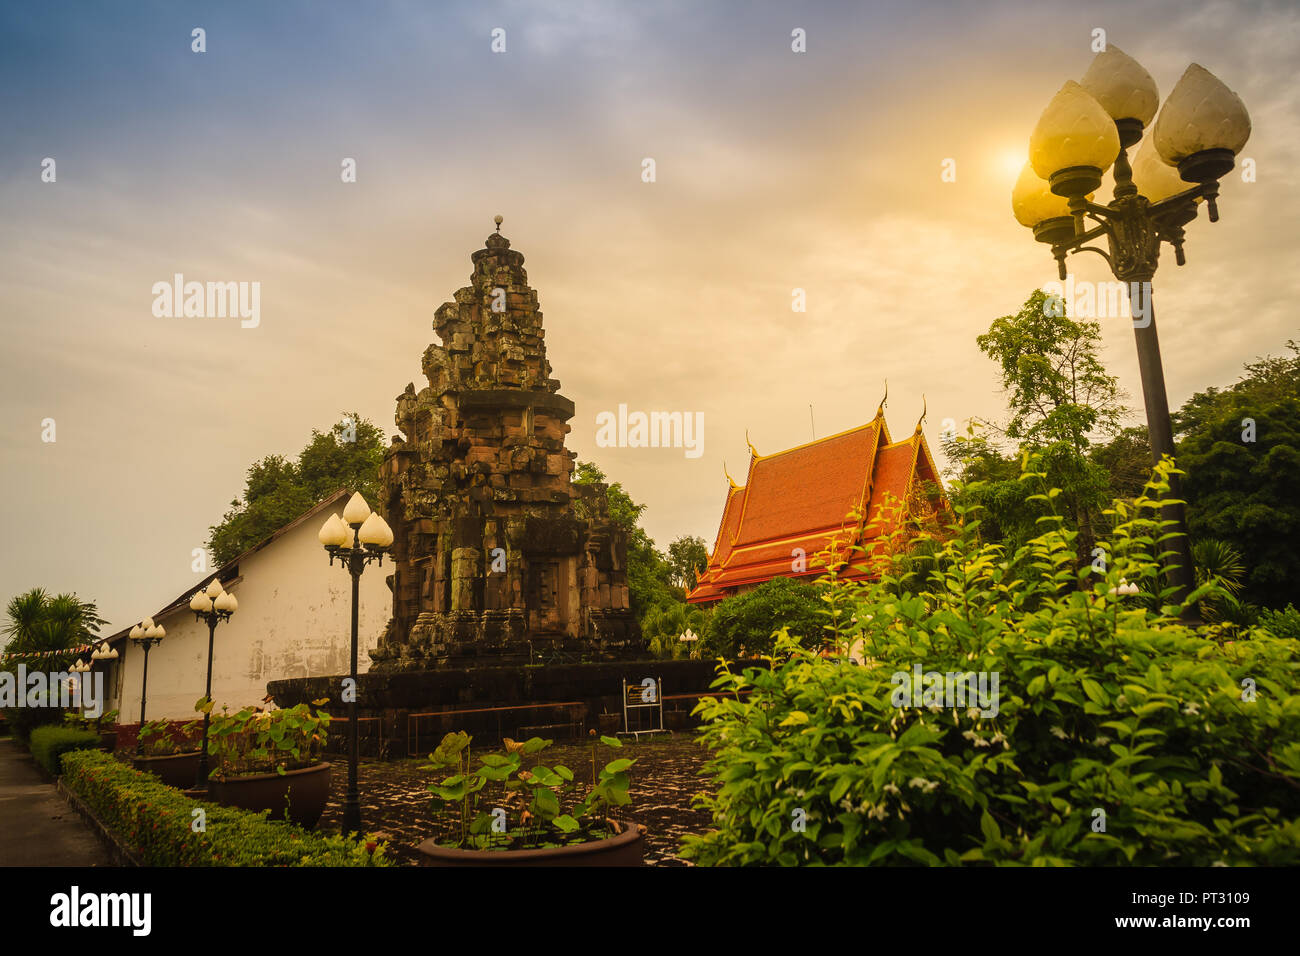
x,y
154,822
49,743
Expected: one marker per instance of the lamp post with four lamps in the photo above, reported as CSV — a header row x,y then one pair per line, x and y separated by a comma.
x,y
211,605
145,634
356,539
1087,128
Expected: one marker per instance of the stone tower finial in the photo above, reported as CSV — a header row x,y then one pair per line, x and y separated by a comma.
x,y
497,220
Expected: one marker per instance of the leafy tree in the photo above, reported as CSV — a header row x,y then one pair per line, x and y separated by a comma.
x,y
686,555
39,623
751,620
277,489
1240,449
1126,459
664,624
1060,396
649,575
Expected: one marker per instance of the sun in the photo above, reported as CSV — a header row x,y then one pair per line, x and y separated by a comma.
x,y
1009,162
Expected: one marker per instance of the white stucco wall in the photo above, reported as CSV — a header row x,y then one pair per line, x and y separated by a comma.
x,y
294,620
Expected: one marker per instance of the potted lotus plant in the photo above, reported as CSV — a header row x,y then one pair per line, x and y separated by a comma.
x,y
160,752
270,760
499,811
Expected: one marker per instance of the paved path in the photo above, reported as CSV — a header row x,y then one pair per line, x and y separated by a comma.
x,y
37,827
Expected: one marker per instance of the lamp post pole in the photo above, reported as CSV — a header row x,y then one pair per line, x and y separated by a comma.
x,y
146,634
210,605
1085,130
359,537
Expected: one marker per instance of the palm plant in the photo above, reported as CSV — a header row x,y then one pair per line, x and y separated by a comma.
x,y
1219,562
38,622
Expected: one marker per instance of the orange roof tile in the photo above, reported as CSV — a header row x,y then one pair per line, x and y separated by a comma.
x,y
807,497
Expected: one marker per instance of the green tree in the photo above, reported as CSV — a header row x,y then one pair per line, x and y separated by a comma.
x,y
277,489
686,556
750,620
649,575
37,624
1060,397
1240,448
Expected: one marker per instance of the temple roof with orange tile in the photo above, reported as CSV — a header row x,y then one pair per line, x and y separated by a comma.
x,y
797,502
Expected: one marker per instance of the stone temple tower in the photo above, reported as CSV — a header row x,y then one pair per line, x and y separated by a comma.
x,y
498,557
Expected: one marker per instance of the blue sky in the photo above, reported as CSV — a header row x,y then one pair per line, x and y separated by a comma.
x,y
775,170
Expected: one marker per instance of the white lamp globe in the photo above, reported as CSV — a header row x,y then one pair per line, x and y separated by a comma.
x,y
375,531
356,510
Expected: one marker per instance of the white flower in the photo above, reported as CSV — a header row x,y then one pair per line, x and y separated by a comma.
x,y
981,742
1121,701
1058,732
1101,741
934,708
973,713
970,734
877,813
892,788
1000,738
1192,709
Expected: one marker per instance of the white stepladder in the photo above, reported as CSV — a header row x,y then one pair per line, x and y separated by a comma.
x,y
645,702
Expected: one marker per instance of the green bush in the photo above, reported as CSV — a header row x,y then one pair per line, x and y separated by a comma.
x,y
49,743
23,721
155,822
1284,623
749,620
1119,736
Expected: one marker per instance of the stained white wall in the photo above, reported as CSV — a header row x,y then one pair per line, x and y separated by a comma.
x,y
294,620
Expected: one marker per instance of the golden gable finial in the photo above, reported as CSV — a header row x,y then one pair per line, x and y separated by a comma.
x,y
730,480
924,408
752,450
880,409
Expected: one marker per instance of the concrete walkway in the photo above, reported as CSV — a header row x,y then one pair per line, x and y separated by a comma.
x,y
37,827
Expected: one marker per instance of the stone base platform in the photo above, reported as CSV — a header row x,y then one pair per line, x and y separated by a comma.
x,y
401,711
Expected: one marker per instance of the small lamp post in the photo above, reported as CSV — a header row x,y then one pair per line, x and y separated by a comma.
x,y
359,537
211,605
146,634
1087,128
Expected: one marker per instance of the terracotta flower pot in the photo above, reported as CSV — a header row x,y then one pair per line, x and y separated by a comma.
x,y
175,770
609,723
626,848
304,791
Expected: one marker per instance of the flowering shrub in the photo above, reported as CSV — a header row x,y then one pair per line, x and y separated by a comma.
x,y
156,823
1116,735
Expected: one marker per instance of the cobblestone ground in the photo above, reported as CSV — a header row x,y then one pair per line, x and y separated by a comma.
x,y
665,778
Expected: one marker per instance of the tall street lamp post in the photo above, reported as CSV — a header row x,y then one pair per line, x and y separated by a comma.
x,y
359,537
211,605
1087,128
146,634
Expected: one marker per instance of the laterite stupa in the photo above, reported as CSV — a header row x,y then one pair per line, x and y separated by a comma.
x,y
498,556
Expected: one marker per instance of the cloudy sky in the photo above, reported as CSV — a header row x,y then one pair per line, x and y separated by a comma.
x,y
775,170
